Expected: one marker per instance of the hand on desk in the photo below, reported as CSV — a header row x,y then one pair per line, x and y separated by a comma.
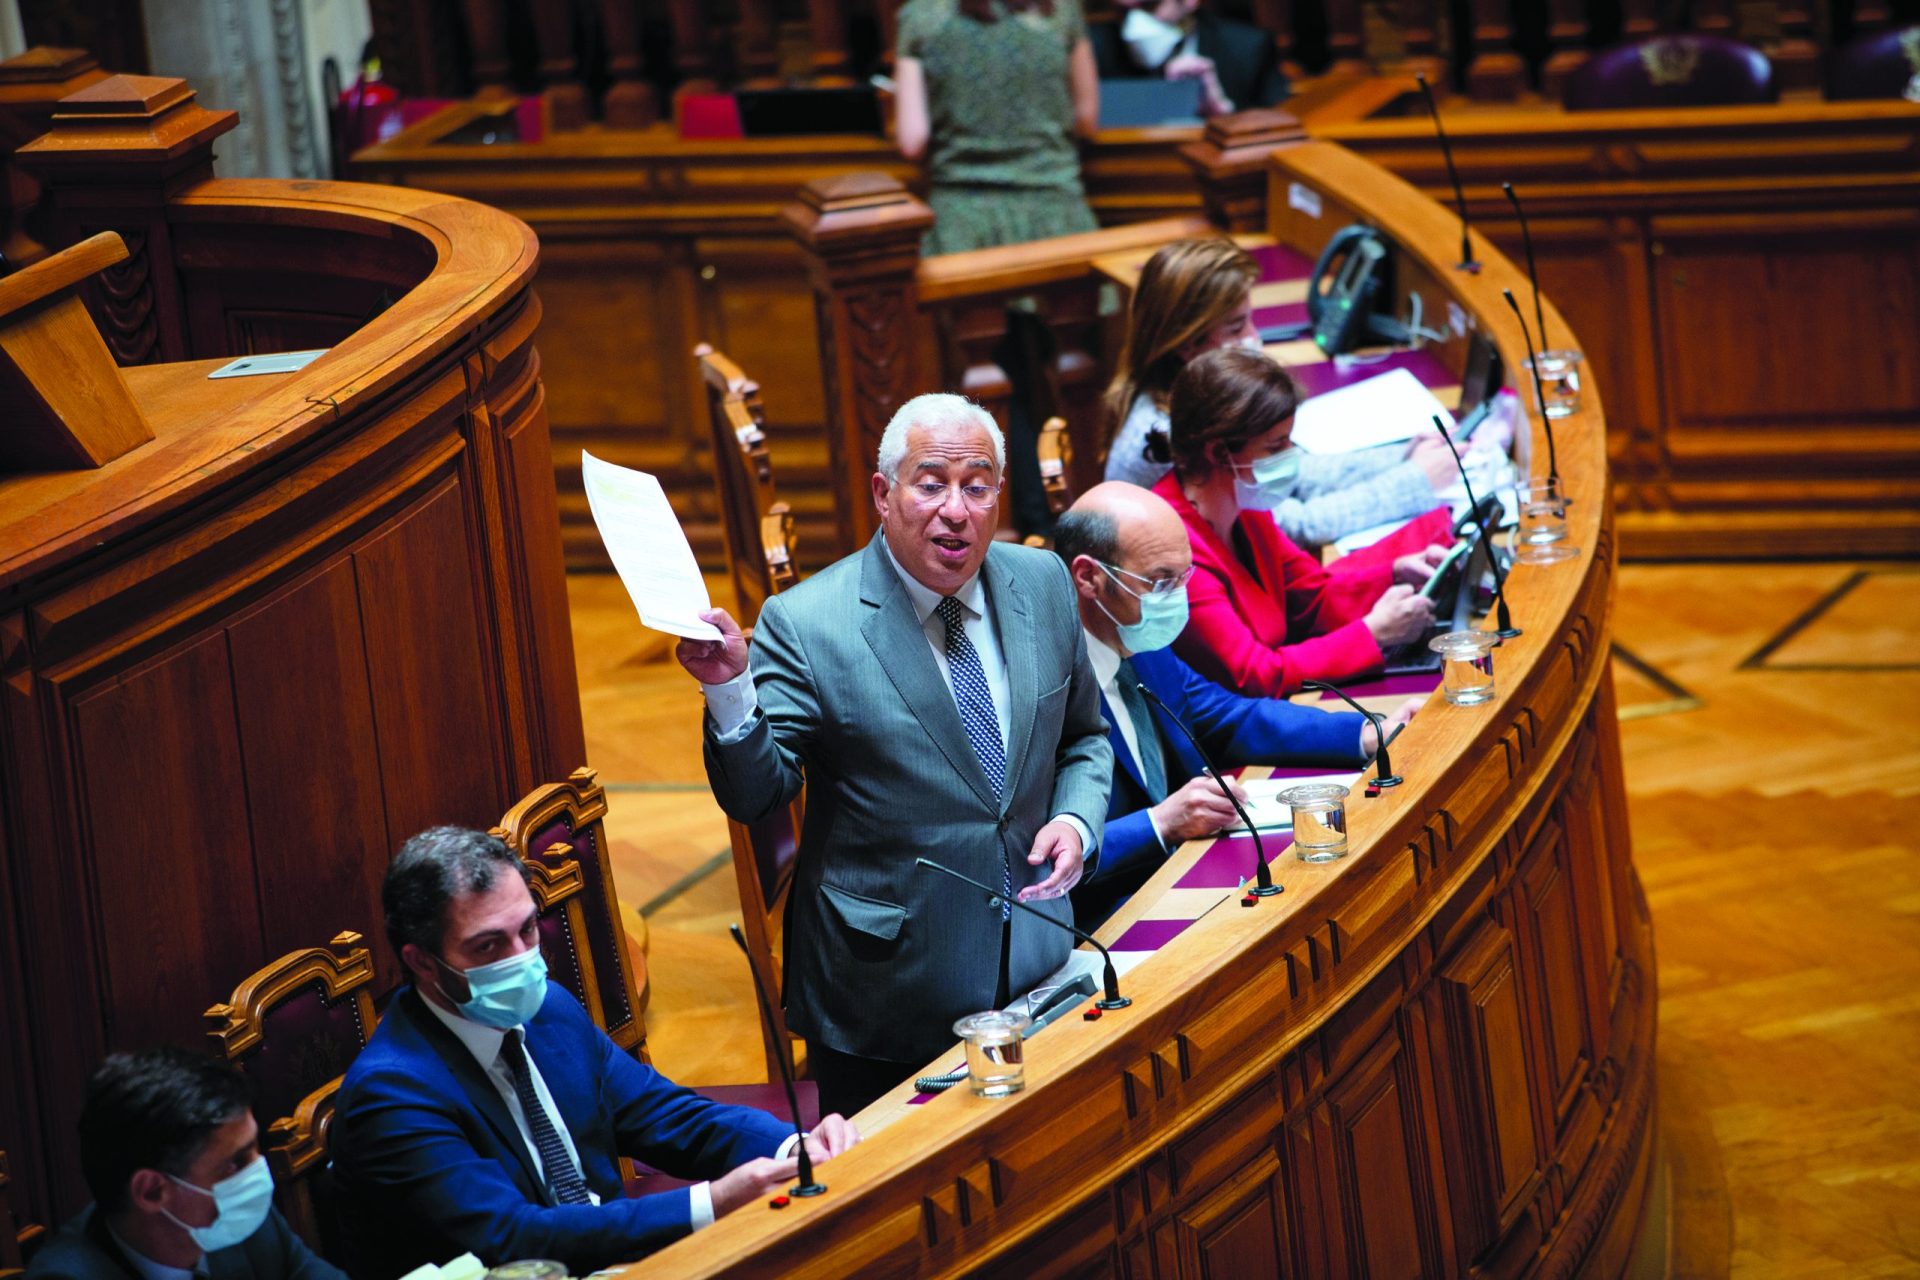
x,y
1398,616
1058,843
1435,461
1402,714
715,661
1196,809
767,1176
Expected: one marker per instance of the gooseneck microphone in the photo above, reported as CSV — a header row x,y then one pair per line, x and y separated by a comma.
x,y
1110,979
1467,262
1387,778
1263,885
1539,391
806,1186
1533,277
1506,630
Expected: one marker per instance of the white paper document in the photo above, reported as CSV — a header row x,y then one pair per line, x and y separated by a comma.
x,y
648,548
1393,406
1268,811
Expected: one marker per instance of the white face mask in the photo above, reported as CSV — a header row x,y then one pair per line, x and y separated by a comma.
x,y
1251,342
1150,40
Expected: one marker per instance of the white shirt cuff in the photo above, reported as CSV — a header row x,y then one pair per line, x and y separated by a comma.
x,y
731,705
1158,834
786,1148
700,1201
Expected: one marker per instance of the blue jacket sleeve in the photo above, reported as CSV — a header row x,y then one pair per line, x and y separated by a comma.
x,y
1130,849
675,1129
1238,730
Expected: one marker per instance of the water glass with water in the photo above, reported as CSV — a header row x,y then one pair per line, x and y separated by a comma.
x,y
1559,381
1319,820
996,1057
1542,538
1466,665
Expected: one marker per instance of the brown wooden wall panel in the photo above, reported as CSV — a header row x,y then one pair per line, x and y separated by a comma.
x,y
140,790
1550,936
1237,1230
1374,1129
430,683
321,844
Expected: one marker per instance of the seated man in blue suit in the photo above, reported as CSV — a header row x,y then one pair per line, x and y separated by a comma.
x,y
172,1157
487,1112
1130,559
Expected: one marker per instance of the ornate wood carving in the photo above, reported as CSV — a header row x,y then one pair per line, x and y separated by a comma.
x,y
1230,164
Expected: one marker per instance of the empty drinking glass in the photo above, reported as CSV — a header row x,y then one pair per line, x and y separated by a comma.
x,y
1319,820
1542,538
996,1058
1466,665
1559,381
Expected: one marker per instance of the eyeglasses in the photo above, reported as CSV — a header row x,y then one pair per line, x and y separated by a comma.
x,y
1151,586
931,495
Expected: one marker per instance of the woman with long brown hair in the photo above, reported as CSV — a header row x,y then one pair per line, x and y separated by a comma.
x,y
1196,296
1263,615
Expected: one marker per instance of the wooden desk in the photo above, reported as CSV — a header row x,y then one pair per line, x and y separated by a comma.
x,y
319,612
1433,1057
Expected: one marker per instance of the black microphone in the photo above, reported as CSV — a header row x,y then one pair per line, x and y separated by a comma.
x,y
1539,392
1466,262
1526,239
1263,885
1507,630
806,1186
1387,777
1110,979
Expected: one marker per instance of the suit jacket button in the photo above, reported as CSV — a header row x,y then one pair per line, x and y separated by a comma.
x,y
1006,820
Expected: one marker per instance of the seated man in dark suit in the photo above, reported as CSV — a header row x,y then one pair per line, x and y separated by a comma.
x,y
1130,559
1177,40
487,1112
172,1157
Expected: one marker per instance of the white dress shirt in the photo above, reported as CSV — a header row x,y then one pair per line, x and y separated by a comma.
x,y
1105,661
732,704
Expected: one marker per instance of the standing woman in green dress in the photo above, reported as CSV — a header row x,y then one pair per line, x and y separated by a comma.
x,y
992,95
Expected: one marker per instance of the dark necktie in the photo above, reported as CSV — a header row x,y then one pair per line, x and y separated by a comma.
x,y
562,1178
977,715
1146,734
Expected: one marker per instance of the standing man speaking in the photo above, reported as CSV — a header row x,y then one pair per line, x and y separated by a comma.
x,y
932,693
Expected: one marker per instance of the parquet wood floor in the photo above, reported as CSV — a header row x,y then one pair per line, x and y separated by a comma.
x,y
1773,828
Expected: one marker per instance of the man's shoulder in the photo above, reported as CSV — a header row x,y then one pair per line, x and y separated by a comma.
x,y
72,1253
828,589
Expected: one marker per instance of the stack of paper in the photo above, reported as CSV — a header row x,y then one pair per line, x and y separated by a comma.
x,y
1268,811
648,548
1393,406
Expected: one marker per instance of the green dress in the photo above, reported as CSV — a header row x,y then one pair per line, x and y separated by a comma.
x,y
1001,161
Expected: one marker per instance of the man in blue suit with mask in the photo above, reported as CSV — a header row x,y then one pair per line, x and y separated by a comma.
x,y
1130,560
487,1113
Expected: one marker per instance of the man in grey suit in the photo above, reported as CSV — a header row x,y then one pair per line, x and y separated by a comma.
x,y
932,693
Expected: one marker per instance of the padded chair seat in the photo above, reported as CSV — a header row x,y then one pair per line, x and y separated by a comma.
x,y
1681,70
1880,65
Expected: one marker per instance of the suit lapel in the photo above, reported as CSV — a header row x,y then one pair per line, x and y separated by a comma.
x,y
1121,755
892,630
1022,654
477,1086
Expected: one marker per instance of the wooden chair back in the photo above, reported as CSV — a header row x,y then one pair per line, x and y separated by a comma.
x,y
17,1240
294,1027
1055,448
559,830
742,476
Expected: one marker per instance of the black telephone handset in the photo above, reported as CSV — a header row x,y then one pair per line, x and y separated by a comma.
x,y
1347,310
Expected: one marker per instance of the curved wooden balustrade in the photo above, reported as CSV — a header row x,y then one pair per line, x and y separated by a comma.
x,y
317,613
1434,1057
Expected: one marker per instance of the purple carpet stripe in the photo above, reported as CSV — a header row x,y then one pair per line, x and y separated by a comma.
x,y
1278,262
1149,935
1285,313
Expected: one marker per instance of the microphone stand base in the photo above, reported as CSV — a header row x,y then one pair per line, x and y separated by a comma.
x,y
1391,780
1508,633
1470,266
808,1189
1266,890
1118,1002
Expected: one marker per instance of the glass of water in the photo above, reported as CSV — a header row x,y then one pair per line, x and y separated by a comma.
x,y
996,1058
1466,665
1542,538
1319,820
1559,381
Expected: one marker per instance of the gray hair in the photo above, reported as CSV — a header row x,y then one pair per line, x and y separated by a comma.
x,y
935,411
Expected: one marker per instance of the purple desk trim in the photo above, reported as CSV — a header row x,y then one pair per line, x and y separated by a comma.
x,y
1287,313
922,1099
1330,375
1229,860
1149,935
1278,262
1391,686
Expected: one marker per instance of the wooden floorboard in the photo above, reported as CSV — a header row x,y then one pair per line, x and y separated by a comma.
x,y
1773,806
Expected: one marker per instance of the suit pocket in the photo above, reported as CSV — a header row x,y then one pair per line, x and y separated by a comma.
x,y
874,917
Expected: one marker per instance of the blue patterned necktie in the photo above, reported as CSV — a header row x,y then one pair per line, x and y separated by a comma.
x,y
562,1178
977,714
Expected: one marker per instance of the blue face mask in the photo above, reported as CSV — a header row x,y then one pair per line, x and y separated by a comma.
x,y
1163,616
1272,480
241,1201
503,994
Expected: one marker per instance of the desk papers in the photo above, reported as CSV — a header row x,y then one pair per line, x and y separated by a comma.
x,y
648,548
1382,410
1268,811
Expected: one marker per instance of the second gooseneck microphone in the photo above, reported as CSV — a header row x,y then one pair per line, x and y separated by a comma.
x,y
1263,885
1533,277
1467,261
806,1186
1387,777
1539,391
1110,978
1504,619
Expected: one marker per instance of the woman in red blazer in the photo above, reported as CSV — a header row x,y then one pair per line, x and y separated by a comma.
x,y
1263,615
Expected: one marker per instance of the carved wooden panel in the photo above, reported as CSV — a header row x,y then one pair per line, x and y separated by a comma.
x,y
1238,1230
1551,940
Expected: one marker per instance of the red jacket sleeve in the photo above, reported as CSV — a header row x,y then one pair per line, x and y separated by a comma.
x,y
1219,643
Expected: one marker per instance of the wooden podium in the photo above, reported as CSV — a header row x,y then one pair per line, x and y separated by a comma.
x,y
62,399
